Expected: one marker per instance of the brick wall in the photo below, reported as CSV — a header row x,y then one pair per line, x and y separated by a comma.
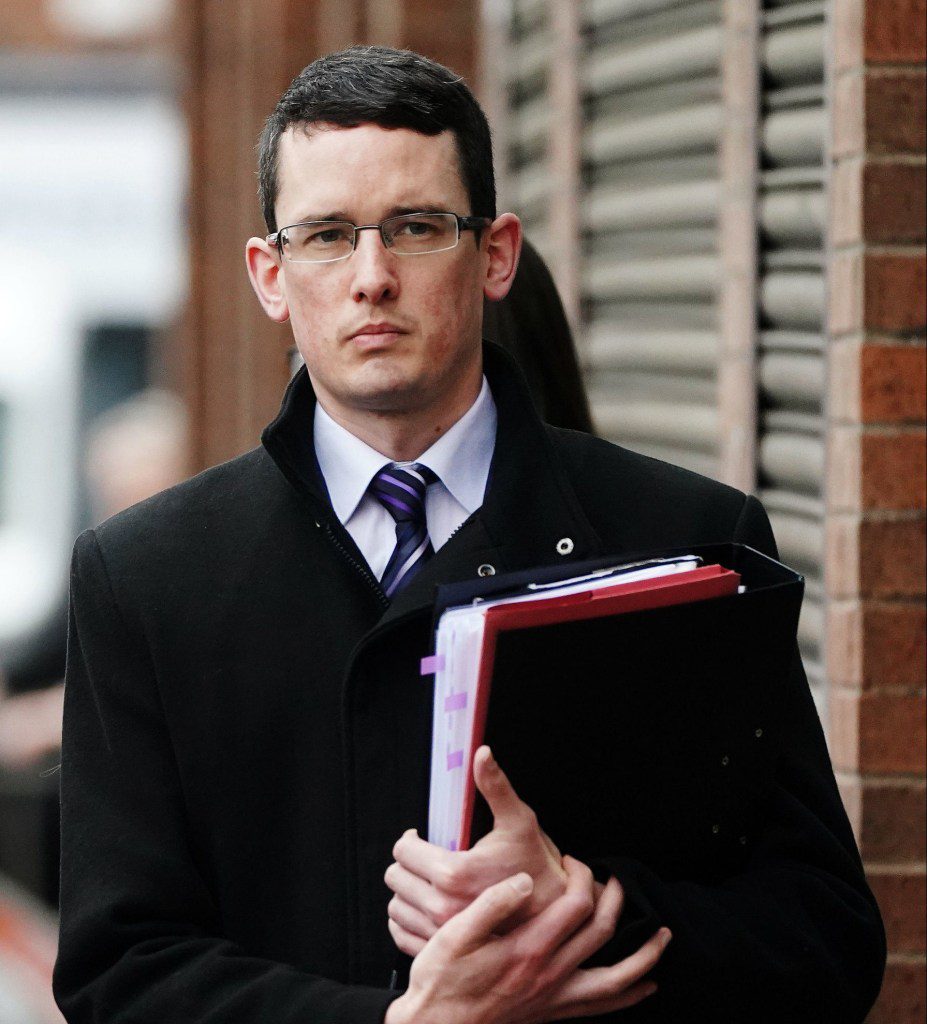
x,y
29,26
875,562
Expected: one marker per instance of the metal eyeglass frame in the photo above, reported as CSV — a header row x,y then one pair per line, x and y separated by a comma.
x,y
463,224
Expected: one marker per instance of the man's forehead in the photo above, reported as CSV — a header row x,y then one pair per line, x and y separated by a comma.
x,y
326,164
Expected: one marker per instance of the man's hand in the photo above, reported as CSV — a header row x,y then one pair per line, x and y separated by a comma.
x,y
431,884
467,972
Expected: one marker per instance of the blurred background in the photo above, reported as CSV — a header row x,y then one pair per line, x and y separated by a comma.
x,y
730,195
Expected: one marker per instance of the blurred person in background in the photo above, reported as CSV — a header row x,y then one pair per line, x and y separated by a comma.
x,y
531,324
134,450
247,733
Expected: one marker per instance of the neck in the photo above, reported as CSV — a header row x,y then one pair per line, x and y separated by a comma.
x,y
401,435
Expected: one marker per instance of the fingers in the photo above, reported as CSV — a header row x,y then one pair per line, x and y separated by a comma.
x,y
546,933
420,894
405,941
493,783
601,990
630,997
597,931
424,859
410,918
475,925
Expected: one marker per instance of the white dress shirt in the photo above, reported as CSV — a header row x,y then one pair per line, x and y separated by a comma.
x,y
460,459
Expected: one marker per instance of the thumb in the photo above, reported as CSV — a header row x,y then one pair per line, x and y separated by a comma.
x,y
474,925
493,783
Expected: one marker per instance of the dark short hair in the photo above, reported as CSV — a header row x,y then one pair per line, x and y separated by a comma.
x,y
392,89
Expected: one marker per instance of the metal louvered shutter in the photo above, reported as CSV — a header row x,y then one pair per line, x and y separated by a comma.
x,y
650,77
792,301
528,111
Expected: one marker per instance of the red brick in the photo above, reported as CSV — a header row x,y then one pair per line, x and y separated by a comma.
x,y
446,32
892,735
892,558
892,383
894,113
904,994
876,470
895,291
876,645
901,897
894,203
894,645
878,733
891,820
894,31
875,558
894,470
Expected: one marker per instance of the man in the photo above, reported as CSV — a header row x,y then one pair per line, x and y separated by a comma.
x,y
247,733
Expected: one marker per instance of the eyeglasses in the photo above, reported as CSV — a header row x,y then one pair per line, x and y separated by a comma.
x,y
412,234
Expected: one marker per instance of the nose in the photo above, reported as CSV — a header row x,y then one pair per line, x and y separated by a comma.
x,y
374,270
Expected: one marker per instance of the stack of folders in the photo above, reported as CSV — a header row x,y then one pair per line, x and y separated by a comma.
x,y
467,637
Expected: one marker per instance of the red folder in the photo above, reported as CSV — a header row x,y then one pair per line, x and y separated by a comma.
x,y
662,591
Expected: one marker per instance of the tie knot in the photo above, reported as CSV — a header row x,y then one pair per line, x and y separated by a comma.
x,y
401,490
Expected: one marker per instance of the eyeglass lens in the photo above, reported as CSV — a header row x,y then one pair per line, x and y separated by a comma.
x,y
324,241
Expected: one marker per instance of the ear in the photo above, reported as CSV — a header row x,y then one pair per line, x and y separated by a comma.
x,y
503,249
265,272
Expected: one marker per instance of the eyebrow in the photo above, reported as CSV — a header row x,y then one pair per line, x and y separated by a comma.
x,y
394,211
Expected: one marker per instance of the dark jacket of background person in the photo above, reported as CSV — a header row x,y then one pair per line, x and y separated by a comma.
x,y
247,734
530,324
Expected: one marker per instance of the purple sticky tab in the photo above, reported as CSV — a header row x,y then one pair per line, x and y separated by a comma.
x,y
455,760
453,846
433,663
456,702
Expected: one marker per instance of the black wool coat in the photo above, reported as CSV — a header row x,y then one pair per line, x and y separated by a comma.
x,y
247,735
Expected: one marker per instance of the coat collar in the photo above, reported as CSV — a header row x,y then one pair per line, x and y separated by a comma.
x,y
529,507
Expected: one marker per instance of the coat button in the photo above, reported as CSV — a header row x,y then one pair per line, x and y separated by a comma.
x,y
715,830
486,570
759,734
725,761
564,546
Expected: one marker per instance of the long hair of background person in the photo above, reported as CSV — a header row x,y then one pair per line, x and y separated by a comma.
x,y
531,325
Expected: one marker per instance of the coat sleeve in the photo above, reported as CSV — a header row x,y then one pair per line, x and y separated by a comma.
x,y
795,935
141,936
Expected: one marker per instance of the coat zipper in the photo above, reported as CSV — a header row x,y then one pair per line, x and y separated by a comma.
x,y
460,526
365,574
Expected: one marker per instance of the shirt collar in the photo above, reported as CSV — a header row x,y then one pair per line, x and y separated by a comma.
x,y
461,457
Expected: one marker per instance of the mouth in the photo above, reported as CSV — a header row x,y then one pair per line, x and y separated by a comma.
x,y
378,335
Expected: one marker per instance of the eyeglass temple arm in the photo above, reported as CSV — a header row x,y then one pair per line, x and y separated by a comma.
x,y
473,223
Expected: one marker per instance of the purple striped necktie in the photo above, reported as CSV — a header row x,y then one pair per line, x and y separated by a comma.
x,y
401,491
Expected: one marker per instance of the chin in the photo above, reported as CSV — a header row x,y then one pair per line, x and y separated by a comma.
x,y
389,386
388,400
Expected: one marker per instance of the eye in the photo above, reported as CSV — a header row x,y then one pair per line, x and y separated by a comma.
x,y
417,228
327,236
